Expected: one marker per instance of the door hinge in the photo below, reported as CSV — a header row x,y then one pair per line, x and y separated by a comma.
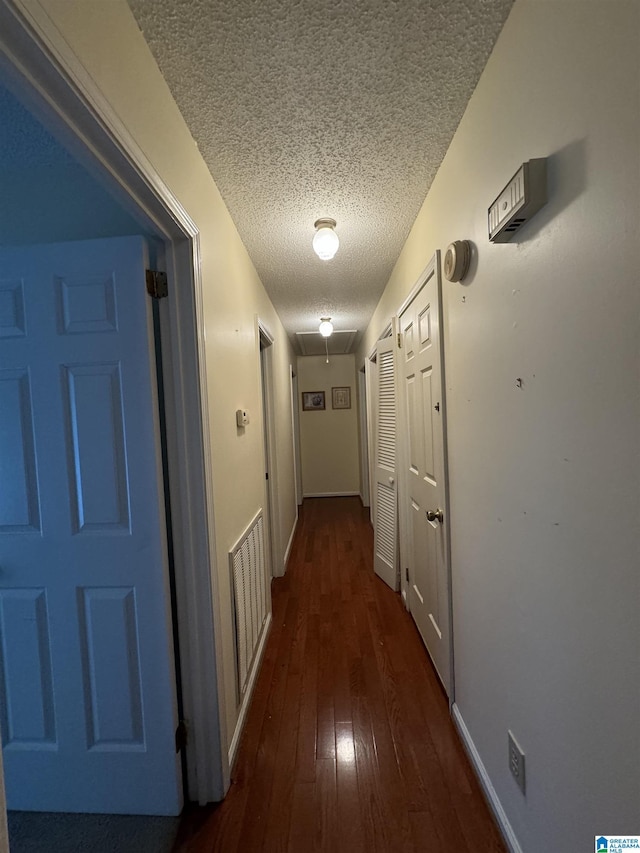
x,y
399,340
157,286
181,736
266,476
406,574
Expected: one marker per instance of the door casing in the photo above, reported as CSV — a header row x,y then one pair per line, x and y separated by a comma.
x,y
265,347
370,380
295,425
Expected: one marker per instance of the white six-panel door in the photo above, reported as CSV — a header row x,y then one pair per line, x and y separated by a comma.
x,y
87,679
424,481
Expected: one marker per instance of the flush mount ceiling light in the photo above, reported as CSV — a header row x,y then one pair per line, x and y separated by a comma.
x,y
325,240
326,327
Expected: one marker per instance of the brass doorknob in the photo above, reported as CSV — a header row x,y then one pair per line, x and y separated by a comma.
x,y
438,515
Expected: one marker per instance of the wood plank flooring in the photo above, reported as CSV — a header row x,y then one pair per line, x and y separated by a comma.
x,y
348,744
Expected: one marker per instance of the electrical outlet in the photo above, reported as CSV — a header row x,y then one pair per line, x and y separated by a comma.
x,y
516,762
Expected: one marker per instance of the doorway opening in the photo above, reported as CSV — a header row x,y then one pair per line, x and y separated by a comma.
x,y
271,474
364,439
295,419
48,81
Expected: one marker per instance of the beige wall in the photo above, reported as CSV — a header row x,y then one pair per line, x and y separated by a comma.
x,y
329,438
544,478
105,37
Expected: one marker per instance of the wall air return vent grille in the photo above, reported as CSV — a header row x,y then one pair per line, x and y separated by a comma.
x,y
248,574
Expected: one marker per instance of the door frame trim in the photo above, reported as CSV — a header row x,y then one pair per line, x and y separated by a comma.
x,y
265,341
57,87
420,282
388,330
295,425
370,367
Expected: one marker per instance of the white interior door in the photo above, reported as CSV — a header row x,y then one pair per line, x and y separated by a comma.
x,y
87,676
424,480
385,542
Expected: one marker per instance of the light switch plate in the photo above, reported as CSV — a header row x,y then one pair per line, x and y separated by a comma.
x,y
516,762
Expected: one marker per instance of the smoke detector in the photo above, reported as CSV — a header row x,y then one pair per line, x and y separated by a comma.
x,y
456,260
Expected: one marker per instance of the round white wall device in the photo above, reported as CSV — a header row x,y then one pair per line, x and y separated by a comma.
x,y
456,260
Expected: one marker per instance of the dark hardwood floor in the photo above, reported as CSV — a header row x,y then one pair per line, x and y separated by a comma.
x,y
348,744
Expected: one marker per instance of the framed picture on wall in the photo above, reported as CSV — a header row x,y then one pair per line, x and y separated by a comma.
x,y
341,398
312,401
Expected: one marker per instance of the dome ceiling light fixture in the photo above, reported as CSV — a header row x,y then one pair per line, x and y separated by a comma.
x,y
326,327
325,240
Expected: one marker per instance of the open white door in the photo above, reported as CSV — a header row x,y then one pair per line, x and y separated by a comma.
x,y
385,542
295,427
87,676
424,478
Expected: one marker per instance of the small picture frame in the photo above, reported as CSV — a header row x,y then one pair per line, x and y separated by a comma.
x,y
341,398
312,401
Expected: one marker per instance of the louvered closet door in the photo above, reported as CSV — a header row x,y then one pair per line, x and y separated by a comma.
x,y
386,527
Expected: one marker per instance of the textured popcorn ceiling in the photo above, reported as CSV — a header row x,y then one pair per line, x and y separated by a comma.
x,y
308,109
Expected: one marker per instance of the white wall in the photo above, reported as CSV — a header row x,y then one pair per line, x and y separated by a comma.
x,y
109,44
52,204
46,196
329,438
545,479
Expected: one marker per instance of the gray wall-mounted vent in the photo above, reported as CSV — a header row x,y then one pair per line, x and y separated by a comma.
x,y
523,197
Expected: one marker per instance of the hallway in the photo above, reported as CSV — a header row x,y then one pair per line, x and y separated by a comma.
x,y
348,744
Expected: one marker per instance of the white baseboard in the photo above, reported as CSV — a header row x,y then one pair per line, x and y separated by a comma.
x,y
331,494
289,544
255,669
485,782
